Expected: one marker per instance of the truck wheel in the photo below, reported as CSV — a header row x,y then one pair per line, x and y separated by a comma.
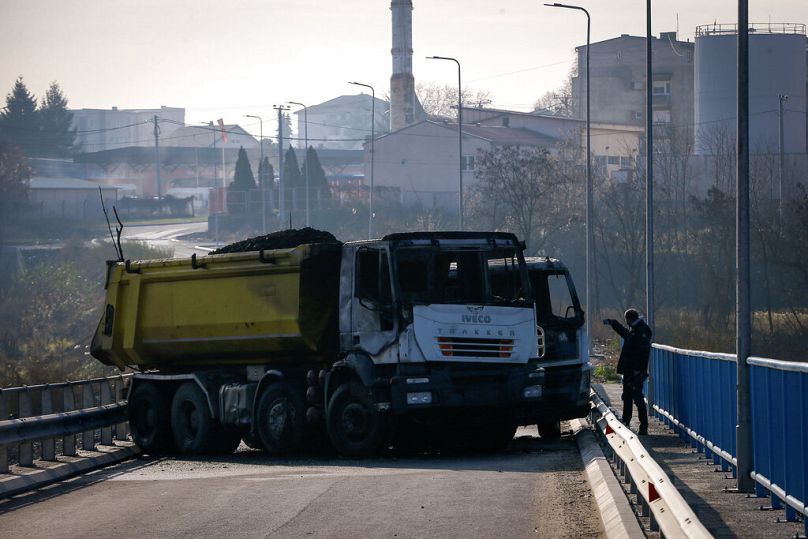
x,y
550,430
281,419
354,426
149,419
195,431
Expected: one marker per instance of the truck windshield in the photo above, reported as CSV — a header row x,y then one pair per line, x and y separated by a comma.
x,y
444,275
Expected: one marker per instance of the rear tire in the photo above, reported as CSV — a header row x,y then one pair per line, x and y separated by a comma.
x,y
354,425
281,419
195,430
149,419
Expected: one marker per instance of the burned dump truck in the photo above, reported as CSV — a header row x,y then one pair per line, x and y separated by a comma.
x,y
285,345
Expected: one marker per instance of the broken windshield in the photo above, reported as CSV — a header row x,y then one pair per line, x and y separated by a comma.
x,y
438,275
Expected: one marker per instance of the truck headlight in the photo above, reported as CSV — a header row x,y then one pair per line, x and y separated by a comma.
x,y
531,392
419,397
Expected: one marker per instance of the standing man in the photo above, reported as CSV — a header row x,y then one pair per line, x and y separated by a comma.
x,y
633,364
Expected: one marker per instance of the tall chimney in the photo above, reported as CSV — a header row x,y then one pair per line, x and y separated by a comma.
x,y
402,83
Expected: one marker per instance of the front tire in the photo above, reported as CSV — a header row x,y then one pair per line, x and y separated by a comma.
x,y
149,419
354,425
195,430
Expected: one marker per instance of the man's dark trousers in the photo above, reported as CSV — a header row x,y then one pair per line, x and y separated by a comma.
x,y
632,394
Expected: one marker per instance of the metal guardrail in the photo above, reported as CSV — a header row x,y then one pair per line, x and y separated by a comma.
x,y
660,500
694,393
45,413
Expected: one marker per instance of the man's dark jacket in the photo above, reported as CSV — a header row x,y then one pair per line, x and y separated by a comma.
x,y
636,346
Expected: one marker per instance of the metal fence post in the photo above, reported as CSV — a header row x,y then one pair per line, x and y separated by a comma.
x,y
69,441
3,449
49,445
121,429
88,401
106,398
26,450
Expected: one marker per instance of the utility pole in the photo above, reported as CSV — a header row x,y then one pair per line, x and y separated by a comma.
x,y
157,158
372,150
743,298
649,183
261,171
281,186
306,151
783,99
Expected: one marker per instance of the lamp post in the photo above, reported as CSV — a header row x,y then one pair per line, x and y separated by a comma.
x,y
459,128
372,153
589,205
261,171
305,151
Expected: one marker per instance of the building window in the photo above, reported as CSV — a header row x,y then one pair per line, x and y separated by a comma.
x,y
662,87
625,162
662,116
613,160
467,162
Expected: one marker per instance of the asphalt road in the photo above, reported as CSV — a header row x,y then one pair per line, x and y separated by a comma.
x,y
534,489
168,236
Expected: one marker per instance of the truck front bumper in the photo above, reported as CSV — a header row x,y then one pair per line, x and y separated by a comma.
x,y
528,392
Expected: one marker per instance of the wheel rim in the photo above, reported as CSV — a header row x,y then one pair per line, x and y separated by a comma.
x,y
355,421
277,419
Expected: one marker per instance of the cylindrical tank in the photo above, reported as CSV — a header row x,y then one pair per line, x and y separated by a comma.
x,y
777,67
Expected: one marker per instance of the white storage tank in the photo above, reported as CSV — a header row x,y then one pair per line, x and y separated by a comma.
x,y
777,66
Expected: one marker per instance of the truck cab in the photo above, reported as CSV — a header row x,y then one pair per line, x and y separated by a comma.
x,y
426,326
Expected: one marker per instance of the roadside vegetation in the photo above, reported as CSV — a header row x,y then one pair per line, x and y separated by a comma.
x,y
49,308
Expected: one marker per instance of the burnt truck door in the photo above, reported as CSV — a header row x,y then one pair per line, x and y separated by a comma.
x,y
373,319
558,312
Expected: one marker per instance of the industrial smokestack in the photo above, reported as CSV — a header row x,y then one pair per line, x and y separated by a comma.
x,y
404,106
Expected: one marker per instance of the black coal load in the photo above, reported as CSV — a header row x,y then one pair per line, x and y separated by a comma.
x,y
283,239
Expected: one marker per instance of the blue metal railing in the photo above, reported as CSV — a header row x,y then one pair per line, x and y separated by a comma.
x,y
694,393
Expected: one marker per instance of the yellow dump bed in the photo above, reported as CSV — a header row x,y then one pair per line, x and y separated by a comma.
x,y
226,309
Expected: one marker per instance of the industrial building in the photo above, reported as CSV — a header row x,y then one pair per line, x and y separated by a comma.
x,y
106,129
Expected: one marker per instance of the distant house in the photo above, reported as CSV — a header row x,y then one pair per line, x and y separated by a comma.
x,y
210,136
421,160
106,129
342,123
70,198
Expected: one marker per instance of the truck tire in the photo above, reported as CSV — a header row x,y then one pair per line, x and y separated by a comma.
x,y
281,419
355,427
195,431
550,430
149,419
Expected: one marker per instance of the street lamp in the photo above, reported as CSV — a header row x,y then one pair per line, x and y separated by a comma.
x,y
589,209
305,151
459,128
372,153
261,171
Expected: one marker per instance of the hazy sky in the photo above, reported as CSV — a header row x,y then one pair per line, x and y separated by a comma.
x,y
227,58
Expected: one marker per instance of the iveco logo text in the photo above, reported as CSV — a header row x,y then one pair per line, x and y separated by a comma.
x,y
476,318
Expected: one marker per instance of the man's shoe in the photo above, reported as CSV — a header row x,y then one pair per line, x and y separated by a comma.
x,y
643,432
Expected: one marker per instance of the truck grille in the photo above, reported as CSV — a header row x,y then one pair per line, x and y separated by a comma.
x,y
471,347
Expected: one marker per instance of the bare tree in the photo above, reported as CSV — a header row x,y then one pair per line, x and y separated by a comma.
x,y
441,99
521,190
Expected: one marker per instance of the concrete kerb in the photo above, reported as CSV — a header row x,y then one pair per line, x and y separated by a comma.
x,y
24,479
615,511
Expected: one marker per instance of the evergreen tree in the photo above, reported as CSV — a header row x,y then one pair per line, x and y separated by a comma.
x,y
19,122
243,179
58,137
266,173
316,173
291,170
